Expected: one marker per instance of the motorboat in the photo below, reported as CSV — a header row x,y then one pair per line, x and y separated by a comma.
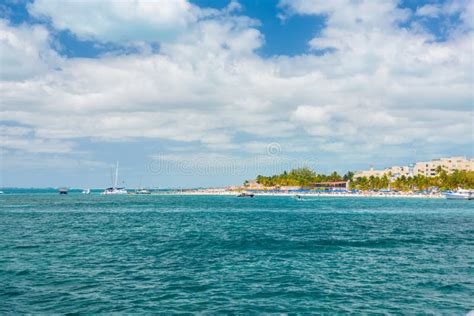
x,y
86,191
114,191
246,194
460,194
142,191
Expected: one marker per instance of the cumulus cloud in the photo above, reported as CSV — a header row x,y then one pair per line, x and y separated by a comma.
x,y
351,15
25,51
118,21
429,10
383,74
379,85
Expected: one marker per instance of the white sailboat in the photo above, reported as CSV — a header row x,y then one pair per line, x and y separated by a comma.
x,y
115,190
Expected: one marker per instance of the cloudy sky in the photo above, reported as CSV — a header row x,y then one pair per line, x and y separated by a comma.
x,y
211,92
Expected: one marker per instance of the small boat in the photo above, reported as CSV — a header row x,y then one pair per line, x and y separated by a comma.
x,y
142,191
63,190
86,191
115,190
245,194
460,194
1,192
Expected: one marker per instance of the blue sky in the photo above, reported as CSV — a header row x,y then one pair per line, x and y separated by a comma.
x,y
209,93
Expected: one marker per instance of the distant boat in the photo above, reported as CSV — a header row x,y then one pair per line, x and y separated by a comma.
x,y
142,191
460,194
1,192
115,190
63,190
245,194
86,191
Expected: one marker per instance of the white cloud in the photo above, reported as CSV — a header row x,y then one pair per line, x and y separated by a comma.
x,y
467,13
212,163
118,21
36,145
451,8
312,115
25,51
41,161
429,10
382,85
351,15
15,130
386,80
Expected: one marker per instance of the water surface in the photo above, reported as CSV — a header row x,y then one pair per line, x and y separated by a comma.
x,y
222,254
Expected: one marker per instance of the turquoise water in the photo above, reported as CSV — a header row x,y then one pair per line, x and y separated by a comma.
x,y
92,254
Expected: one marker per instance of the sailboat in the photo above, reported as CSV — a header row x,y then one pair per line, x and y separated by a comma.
x,y
115,190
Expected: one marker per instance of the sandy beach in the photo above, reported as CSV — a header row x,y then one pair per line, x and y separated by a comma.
x,y
312,194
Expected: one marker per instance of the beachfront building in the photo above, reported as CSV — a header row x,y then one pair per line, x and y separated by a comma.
x,y
393,172
369,173
427,169
331,185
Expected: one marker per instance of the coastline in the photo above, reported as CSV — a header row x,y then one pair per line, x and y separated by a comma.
x,y
318,194
225,192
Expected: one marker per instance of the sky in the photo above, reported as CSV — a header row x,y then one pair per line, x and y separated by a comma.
x,y
212,92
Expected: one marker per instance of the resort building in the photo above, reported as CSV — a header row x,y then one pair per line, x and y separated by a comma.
x,y
449,164
332,185
427,169
394,172
370,173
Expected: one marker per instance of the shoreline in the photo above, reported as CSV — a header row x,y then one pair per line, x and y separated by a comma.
x,y
220,192
303,195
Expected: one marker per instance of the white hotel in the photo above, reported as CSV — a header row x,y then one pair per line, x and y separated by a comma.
x,y
422,168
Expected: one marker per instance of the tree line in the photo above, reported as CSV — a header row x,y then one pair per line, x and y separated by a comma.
x,y
306,177
300,177
442,181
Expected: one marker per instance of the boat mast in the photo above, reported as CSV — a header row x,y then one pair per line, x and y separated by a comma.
x,y
116,175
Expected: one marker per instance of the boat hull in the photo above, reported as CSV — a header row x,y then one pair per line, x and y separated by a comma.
x,y
246,195
114,191
459,196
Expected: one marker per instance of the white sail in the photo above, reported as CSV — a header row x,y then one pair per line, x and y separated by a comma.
x,y
115,190
116,175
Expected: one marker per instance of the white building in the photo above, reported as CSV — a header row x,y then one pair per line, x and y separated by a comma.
x,y
449,164
422,168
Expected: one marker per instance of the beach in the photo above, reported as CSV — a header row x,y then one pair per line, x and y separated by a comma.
x,y
311,194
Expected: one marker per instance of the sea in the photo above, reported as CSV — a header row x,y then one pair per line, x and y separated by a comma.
x,y
168,254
